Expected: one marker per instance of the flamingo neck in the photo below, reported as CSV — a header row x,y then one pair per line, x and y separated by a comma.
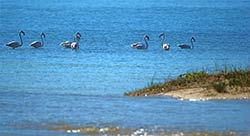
x,y
21,38
146,42
42,39
192,44
76,39
162,40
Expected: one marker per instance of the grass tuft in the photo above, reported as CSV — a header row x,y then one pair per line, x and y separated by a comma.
x,y
220,87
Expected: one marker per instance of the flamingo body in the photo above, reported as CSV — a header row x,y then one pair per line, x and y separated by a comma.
x,y
13,44
166,46
139,46
36,44
66,44
184,46
74,45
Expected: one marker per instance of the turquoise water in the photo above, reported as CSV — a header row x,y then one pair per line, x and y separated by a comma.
x,y
52,84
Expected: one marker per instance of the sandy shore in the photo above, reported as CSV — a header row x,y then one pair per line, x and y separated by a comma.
x,y
205,94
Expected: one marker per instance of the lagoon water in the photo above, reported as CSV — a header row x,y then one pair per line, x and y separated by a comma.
x,y
51,85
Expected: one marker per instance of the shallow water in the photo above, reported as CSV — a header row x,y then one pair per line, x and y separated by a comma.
x,y
52,85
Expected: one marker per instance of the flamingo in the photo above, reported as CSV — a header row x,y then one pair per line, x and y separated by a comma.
x,y
186,46
15,44
38,44
75,45
165,46
67,44
140,45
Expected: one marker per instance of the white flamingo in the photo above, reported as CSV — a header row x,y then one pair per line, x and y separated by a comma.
x,y
186,46
15,44
38,44
140,45
67,44
165,46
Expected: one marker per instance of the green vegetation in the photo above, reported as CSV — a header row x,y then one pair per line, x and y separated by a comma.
x,y
220,86
223,81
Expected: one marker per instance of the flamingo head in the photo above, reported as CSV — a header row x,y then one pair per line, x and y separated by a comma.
x,y
146,37
22,32
42,34
162,34
192,39
78,34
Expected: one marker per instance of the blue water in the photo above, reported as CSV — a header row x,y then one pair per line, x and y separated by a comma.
x,y
53,84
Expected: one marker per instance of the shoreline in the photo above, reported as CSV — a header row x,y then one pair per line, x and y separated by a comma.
x,y
93,129
194,94
234,84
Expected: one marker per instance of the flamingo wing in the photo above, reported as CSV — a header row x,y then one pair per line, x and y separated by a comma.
x,y
184,46
13,44
66,44
138,45
36,44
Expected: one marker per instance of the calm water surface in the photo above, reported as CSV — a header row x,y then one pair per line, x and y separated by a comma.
x,y
51,85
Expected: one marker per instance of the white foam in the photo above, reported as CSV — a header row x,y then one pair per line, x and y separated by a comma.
x,y
76,131
193,100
